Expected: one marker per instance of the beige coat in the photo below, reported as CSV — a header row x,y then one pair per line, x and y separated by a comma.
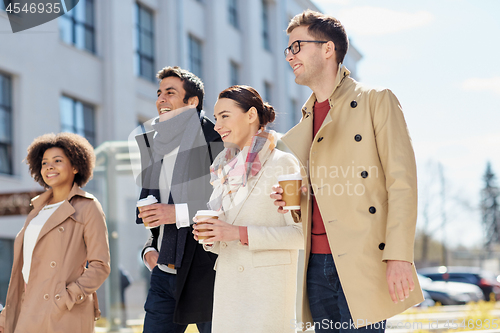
x,y
255,285
60,295
361,167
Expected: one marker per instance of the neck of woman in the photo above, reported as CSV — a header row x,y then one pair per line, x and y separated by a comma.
x,y
60,194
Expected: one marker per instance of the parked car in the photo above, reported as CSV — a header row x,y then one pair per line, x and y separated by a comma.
x,y
450,293
487,281
428,301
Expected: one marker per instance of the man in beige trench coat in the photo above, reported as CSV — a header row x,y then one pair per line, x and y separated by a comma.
x,y
359,208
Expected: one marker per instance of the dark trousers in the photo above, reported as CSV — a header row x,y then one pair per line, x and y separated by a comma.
x,y
160,306
327,300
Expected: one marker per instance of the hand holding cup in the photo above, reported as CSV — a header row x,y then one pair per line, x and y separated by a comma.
x,y
287,194
149,200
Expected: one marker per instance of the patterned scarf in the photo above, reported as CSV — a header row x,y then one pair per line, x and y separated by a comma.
x,y
232,169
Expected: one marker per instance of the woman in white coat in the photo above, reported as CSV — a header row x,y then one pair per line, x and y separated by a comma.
x,y
256,271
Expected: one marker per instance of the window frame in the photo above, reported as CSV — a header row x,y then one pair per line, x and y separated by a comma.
x,y
234,73
89,134
139,32
266,37
75,23
8,144
195,58
268,92
233,17
7,270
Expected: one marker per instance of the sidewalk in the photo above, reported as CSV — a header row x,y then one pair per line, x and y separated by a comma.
x,y
442,319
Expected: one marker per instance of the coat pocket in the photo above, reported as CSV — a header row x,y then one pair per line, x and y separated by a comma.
x,y
271,258
61,296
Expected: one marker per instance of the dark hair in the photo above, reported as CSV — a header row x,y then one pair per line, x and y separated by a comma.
x,y
193,86
323,27
246,97
78,150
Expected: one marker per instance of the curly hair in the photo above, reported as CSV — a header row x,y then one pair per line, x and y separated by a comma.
x,y
78,150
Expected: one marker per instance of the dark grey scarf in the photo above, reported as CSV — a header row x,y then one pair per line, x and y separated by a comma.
x,y
183,131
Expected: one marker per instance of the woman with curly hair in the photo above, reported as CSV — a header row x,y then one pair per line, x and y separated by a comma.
x,y
61,255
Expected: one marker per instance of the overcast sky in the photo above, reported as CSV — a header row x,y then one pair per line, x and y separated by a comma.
x,y
442,60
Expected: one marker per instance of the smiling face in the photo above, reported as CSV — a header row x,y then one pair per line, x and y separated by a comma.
x,y
234,125
57,171
309,63
171,95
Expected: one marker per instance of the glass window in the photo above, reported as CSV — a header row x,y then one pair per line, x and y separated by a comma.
x,y
76,27
77,117
144,42
232,7
5,124
234,80
195,60
6,262
265,25
267,92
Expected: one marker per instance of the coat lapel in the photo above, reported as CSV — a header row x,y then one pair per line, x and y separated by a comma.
x,y
62,213
59,216
299,138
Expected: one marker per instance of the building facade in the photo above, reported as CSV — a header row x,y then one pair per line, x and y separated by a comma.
x,y
92,72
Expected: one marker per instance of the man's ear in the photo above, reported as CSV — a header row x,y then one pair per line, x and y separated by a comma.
x,y
193,100
330,50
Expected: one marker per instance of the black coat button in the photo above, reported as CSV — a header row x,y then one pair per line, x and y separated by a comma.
x,y
372,210
354,104
364,174
381,246
320,139
357,137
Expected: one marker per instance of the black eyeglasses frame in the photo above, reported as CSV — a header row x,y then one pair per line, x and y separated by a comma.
x,y
298,41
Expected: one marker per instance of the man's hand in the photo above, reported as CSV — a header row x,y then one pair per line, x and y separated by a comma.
x,y
278,198
151,258
158,214
218,231
399,279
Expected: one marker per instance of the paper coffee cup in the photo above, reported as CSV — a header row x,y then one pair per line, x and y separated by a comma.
x,y
149,200
291,185
202,215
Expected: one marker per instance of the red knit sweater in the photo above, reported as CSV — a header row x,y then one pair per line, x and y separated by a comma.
x,y
319,241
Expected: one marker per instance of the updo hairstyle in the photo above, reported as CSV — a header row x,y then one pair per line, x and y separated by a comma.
x,y
246,97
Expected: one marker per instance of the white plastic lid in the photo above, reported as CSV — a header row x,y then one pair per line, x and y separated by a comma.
x,y
207,213
293,176
149,200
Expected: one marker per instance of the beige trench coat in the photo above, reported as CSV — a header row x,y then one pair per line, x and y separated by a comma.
x,y
361,168
255,285
60,295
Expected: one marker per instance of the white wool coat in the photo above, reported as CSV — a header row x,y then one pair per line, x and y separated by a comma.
x,y
255,285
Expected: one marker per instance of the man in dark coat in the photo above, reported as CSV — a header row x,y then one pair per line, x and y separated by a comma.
x,y
176,157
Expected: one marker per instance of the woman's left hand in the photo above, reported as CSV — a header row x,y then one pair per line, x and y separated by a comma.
x,y
220,230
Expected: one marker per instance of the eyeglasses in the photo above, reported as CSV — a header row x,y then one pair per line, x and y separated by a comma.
x,y
295,46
